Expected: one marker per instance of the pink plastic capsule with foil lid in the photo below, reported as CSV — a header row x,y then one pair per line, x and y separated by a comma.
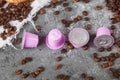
x,y
55,39
29,40
103,38
78,37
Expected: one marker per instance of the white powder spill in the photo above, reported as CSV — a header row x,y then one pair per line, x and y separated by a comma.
x,y
36,6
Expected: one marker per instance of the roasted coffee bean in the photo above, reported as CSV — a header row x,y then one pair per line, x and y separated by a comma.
x,y
63,51
33,75
59,58
79,17
89,26
117,55
65,4
18,40
70,46
41,69
101,49
25,75
110,63
105,65
38,27
75,20
23,61
86,18
58,66
85,47
83,75
109,49
76,1
63,77
85,13
99,7
63,21
94,55
68,9
90,78
113,27
103,59
28,59
56,12
97,59
18,72
37,72
42,11
112,70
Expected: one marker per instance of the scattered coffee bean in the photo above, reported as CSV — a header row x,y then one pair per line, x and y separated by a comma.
x,y
105,65
18,40
38,27
70,46
63,77
83,75
75,1
89,26
63,51
56,12
101,49
42,11
33,75
86,18
79,17
85,13
58,66
28,59
65,4
68,9
23,61
90,78
110,63
85,47
59,58
97,59
109,49
113,27
25,75
18,72
99,7
41,69
37,72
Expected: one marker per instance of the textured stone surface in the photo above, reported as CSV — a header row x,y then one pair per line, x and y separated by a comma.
x,y
75,61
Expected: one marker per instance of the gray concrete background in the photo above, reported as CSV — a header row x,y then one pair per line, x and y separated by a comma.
x,y
75,61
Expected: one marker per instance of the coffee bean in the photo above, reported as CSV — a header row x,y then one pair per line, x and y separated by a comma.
x,y
42,11
86,18
103,59
109,49
75,20
110,63
33,75
85,13
112,70
79,17
99,7
90,78
23,61
28,59
113,27
85,47
37,72
65,4
41,69
75,1
18,72
70,46
94,55
63,77
68,9
97,59
59,58
58,66
25,75
89,26
18,40
56,12
83,75
63,51
105,65
101,49
38,27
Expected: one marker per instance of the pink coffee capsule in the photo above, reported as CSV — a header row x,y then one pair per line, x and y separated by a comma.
x,y
30,40
78,37
55,39
103,38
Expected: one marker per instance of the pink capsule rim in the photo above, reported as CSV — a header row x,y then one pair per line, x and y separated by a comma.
x,y
81,45
23,39
55,47
98,46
